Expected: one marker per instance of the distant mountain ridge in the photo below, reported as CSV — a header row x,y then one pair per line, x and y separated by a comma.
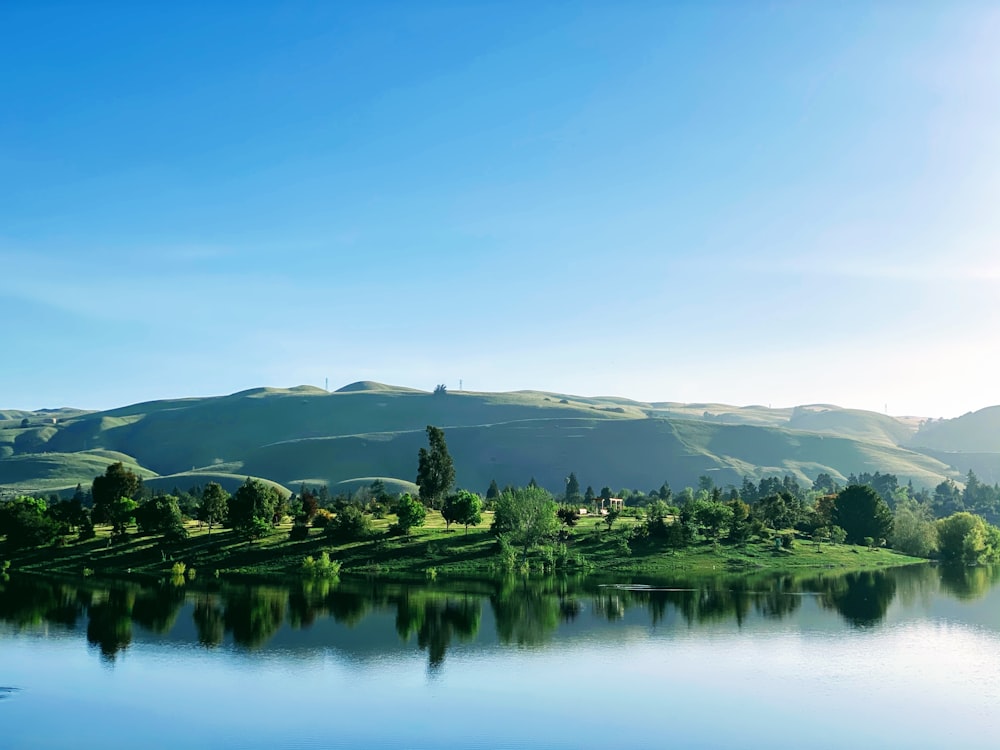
x,y
368,429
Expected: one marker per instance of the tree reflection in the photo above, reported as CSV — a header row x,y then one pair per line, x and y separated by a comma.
x,y
254,614
24,603
110,623
778,600
526,612
967,583
861,598
209,621
156,609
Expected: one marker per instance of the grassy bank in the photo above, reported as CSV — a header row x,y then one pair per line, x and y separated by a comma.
x,y
430,550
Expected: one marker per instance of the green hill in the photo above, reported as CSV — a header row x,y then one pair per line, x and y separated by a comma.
x,y
975,432
367,429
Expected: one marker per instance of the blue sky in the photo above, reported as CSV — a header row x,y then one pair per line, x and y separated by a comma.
x,y
767,202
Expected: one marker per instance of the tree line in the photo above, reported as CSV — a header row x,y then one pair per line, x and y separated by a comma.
x,y
872,508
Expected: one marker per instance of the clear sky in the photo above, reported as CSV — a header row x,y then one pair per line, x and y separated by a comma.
x,y
745,202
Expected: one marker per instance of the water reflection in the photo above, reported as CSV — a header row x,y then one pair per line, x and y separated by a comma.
x,y
526,612
969,583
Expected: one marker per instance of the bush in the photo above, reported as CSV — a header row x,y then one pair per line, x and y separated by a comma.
x,y
787,539
299,532
324,567
349,524
506,553
322,518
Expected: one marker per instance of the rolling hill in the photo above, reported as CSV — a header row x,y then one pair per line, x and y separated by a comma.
x,y
366,430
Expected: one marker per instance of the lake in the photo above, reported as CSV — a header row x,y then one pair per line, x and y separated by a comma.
x,y
901,658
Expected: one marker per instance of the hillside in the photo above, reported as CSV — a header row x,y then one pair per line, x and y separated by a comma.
x,y
368,429
975,432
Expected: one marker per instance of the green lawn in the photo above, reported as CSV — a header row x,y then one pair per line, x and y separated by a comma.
x,y
429,550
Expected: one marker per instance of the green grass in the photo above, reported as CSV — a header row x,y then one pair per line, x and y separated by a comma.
x,y
454,553
305,434
51,472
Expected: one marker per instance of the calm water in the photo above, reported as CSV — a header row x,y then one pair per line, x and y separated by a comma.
x,y
907,658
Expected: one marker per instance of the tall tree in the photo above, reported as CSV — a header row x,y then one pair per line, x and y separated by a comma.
x,y
825,484
116,483
214,504
913,530
493,492
252,508
861,512
573,496
435,469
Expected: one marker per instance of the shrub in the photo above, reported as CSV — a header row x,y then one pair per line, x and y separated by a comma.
x,y
177,569
298,532
787,539
622,547
322,518
349,524
324,567
506,552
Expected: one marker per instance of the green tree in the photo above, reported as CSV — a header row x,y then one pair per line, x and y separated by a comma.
x,y
965,537
493,492
463,507
435,469
947,499
780,510
116,483
611,516
589,496
252,508
739,524
861,512
825,484
26,522
410,513
656,519
573,496
349,524
214,504
449,511
913,530
711,517
525,516
568,515
120,513
161,515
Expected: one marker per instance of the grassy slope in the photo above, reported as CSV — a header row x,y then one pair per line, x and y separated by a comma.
x,y
55,471
368,429
976,432
454,553
633,453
